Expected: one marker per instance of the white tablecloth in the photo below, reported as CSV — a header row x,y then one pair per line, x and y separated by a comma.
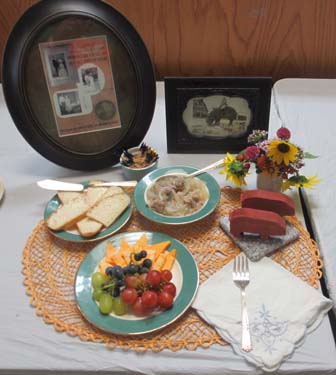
x,y
27,344
308,107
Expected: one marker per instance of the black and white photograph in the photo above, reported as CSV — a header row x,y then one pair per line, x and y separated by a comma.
x,y
90,79
59,67
69,103
57,63
215,114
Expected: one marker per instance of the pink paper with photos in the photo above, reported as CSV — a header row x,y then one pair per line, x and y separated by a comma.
x,y
81,86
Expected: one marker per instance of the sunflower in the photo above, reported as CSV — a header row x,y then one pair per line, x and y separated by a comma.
x,y
234,170
300,181
281,151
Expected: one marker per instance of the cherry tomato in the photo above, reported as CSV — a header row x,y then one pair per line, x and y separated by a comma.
x,y
154,278
150,299
129,295
166,275
165,300
138,308
170,288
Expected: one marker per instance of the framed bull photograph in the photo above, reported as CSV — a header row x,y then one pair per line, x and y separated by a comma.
x,y
215,114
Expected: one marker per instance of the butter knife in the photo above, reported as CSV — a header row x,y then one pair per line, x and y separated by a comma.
x,y
69,186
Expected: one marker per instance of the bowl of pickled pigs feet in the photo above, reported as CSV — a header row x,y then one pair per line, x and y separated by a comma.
x,y
260,227
137,162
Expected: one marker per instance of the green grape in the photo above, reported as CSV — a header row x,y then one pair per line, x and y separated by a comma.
x,y
119,306
97,293
106,303
97,280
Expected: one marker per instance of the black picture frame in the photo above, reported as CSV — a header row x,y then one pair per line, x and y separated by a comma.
x,y
215,114
25,83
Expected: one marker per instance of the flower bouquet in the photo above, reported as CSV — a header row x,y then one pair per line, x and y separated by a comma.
x,y
272,157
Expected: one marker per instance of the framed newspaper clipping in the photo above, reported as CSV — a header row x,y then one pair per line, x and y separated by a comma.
x,y
78,82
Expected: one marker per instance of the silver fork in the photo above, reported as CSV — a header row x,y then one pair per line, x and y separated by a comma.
x,y
241,277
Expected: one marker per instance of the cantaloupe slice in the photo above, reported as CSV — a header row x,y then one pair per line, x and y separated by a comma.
x,y
158,263
124,246
160,247
169,261
142,242
102,266
110,252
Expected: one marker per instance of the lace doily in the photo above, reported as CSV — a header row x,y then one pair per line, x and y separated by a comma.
x,y
50,265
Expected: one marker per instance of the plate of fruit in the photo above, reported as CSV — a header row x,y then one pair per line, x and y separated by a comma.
x,y
136,282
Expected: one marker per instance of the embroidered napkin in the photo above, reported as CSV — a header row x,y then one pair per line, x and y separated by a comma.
x,y
282,310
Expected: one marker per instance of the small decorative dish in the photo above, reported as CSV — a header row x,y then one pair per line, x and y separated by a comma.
x,y
184,275
136,162
203,201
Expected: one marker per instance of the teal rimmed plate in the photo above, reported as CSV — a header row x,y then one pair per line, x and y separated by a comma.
x,y
208,207
185,277
74,235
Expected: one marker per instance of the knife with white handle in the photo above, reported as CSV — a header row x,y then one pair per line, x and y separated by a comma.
x,y
69,186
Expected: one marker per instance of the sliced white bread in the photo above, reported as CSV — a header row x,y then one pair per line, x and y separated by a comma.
x,y
109,209
113,190
67,196
94,194
68,213
88,227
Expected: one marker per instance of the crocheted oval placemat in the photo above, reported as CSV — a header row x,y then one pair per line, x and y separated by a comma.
x,y
50,265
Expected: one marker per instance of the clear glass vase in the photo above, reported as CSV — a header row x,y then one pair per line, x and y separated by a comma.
x,y
269,182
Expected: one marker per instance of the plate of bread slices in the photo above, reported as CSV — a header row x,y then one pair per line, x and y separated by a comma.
x,y
89,215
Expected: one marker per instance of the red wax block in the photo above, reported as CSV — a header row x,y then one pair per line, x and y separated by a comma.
x,y
269,201
250,220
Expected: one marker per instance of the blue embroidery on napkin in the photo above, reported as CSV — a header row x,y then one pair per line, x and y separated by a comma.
x,y
267,329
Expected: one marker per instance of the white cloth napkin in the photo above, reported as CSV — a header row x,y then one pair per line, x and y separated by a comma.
x,y
282,309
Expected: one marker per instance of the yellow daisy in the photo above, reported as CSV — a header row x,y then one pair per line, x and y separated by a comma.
x,y
281,151
308,182
300,181
237,180
311,182
234,170
286,185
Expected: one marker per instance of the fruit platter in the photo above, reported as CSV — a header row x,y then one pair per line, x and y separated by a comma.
x,y
136,282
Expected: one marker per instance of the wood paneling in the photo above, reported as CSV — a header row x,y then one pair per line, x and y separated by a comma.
x,y
281,38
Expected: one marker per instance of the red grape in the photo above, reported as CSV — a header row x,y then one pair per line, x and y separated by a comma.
x,y
132,281
150,299
170,288
154,278
139,308
166,275
129,295
165,300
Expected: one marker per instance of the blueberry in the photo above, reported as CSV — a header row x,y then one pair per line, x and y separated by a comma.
x,y
116,292
118,273
137,256
144,270
120,282
147,263
132,268
143,254
109,271
126,270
